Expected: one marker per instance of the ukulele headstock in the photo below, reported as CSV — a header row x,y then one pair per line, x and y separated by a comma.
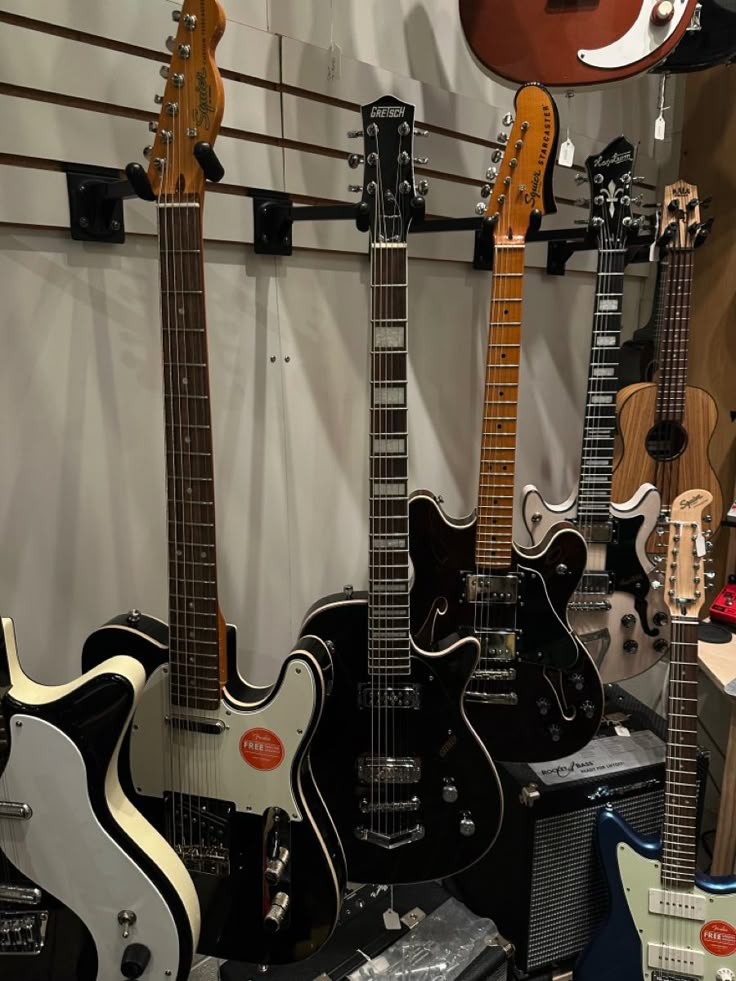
x,y
611,176
522,188
681,226
193,100
687,552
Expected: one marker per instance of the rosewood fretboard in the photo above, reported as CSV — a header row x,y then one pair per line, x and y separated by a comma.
x,y
674,338
194,641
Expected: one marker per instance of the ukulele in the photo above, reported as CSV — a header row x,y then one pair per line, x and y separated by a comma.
x,y
665,426
413,792
617,609
232,789
666,922
536,694
573,42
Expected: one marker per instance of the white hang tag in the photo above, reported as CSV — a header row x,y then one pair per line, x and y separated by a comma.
x,y
334,62
700,548
391,920
567,153
660,127
621,730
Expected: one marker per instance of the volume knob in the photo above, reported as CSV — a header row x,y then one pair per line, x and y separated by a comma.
x,y
449,791
663,12
725,974
467,825
136,958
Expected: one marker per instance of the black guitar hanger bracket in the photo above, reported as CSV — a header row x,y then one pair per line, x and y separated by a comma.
x,y
96,195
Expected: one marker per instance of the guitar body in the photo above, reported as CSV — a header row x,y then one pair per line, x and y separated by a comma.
x,y
633,604
621,948
594,41
247,782
714,44
559,699
434,733
683,449
83,845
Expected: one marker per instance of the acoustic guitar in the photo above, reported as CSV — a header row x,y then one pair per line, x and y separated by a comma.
x,y
573,42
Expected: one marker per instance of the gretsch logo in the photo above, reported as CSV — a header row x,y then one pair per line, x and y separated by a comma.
x,y
387,112
691,502
204,109
614,160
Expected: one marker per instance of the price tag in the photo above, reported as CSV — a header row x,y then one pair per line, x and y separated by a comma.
x,y
660,128
700,548
391,920
567,153
334,62
621,730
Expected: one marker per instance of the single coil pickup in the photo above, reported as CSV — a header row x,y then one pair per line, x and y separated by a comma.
x,y
493,698
681,905
495,674
396,696
598,532
10,811
684,960
208,727
391,841
208,861
389,769
497,590
25,895
497,645
390,807
592,606
595,584
23,933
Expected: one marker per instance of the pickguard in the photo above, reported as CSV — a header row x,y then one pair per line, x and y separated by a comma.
x,y
642,38
213,763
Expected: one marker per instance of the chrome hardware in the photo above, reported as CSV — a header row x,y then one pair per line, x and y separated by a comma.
x,y
185,51
421,132
467,825
561,569
191,132
170,43
176,15
449,791
529,795
177,80
498,645
628,620
389,769
581,179
11,811
405,187
656,584
496,589
503,138
491,698
485,191
508,119
277,866
409,806
166,136
423,187
513,164
391,841
395,697
404,158
127,918
707,518
164,71
190,21
631,646
355,188
480,208
22,933
355,160
497,156
371,187
421,161
598,179
274,919
524,126
589,606
159,163
354,134
663,12
582,202
208,727
495,674
404,129
491,174
152,127
536,518
348,590
158,99
518,145
172,108
28,896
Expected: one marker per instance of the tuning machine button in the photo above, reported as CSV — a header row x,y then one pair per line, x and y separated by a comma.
x,y
503,138
421,132
355,134
480,208
497,156
555,732
355,188
581,179
491,174
449,791
164,71
485,191
631,646
544,705
355,160
467,825
423,187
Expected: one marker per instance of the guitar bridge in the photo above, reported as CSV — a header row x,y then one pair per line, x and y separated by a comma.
x,y
199,830
23,933
391,841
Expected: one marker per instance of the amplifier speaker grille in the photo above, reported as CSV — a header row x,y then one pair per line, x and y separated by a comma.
x,y
568,902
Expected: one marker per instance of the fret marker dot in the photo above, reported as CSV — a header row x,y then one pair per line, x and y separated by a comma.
x,y
189,490
191,634
190,604
203,555
181,311
187,440
179,553
185,381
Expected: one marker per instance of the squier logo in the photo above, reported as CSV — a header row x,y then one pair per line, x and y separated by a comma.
x,y
690,502
531,195
204,94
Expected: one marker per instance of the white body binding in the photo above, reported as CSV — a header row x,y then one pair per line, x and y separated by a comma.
x,y
642,38
602,632
64,849
672,943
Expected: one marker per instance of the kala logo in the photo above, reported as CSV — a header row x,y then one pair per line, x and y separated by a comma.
x,y
690,502
389,112
204,94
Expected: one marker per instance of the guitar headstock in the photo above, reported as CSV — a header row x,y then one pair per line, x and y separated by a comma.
x,y
611,175
390,195
522,188
681,227
193,100
687,553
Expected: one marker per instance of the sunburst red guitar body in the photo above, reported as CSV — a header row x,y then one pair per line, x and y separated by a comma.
x,y
573,42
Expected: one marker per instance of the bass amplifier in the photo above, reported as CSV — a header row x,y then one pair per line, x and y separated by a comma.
x,y
542,883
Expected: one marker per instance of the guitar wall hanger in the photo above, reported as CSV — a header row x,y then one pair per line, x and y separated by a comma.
x,y
96,195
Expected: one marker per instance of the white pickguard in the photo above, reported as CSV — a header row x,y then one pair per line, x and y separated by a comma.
x,y
603,632
642,38
212,765
672,941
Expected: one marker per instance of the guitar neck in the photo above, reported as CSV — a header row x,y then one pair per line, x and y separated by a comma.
x,y
674,337
494,530
596,466
680,812
194,641
389,646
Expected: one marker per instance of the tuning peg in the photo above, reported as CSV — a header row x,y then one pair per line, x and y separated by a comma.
x,y
421,161
503,138
638,180
405,187
176,15
164,71
423,187
674,205
421,132
582,202
485,191
158,99
354,134
706,203
355,188
152,127
355,160
497,156
480,208
147,151
580,221
581,179
170,42
636,201
491,174
508,119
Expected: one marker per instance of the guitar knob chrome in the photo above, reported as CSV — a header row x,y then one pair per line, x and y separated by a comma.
x,y
508,119
355,160
480,208
274,919
503,138
561,569
423,187
449,791
467,825
277,866
491,174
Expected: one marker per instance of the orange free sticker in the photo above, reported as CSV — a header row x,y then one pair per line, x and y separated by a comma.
x,y
261,749
719,938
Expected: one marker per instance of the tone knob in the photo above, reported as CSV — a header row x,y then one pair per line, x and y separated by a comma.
x,y
544,705
588,709
628,620
577,681
725,974
467,825
136,958
661,646
660,619
631,646
449,791
663,12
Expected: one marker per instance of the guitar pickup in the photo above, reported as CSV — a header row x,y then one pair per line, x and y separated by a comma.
x,y
595,583
208,727
395,696
497,590
683,905
598,532
682,960
389,769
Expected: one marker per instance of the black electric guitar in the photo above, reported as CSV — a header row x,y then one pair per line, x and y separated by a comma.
x,y
709,40
413,792
232,789
536,694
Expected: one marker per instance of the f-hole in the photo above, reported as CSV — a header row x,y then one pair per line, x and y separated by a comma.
x,y
666,441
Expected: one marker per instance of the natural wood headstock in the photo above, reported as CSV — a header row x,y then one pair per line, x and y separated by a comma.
x,y
193,100
523,185
681,226
687,553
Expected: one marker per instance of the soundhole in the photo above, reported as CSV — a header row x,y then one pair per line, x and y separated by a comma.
x,y
666,441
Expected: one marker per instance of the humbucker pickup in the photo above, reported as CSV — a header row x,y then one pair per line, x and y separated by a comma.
x,y
497,645
595,583
683,905
23,933
389,769
498,590
396,696
390,807
599,532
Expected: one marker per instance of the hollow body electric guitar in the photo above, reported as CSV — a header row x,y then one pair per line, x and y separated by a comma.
x,y
665,426
89,891
233,790
595,41
536,694
665,922
412,790
617,609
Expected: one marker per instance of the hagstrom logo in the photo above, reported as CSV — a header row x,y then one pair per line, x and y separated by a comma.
x,y
388,112
614,159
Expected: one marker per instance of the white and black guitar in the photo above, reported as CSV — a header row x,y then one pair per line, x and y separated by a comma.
x,y
220,767
617,610
89,891
665,922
